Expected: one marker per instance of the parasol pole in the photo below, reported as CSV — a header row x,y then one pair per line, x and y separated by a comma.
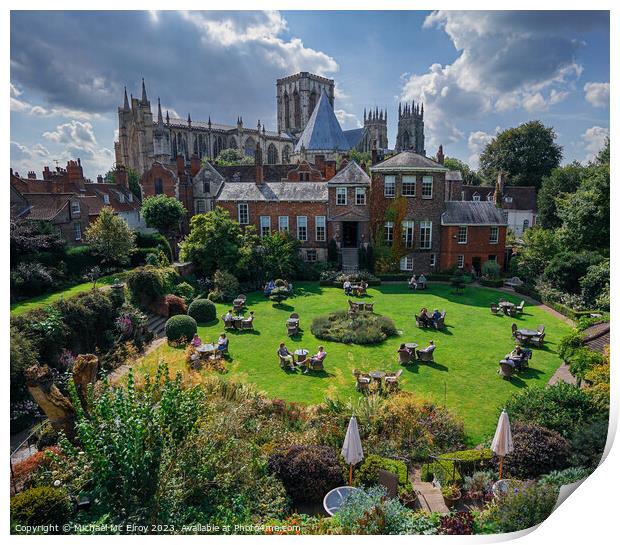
x,y
501,462
350,474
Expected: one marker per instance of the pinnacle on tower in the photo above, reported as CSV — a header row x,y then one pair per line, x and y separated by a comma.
x,y
422,110
189,120
144,98
126,102
364,109
209,122
400,111
167,118
241,119
160,119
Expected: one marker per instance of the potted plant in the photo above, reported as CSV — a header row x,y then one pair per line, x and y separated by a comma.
x,y
451,494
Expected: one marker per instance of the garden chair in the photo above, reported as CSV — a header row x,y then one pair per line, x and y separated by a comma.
x,y
494,309
294,316
538,340
352,306
315,364
540,329
419,322
511,311
404,357
228,324
520,306
426,355
391,380
505,369
514,331
247,324
292,329
284,364
242,297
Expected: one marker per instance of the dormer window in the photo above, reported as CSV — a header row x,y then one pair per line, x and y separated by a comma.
x,y
508,199
75,207
121,197
475,197
489,197
130,197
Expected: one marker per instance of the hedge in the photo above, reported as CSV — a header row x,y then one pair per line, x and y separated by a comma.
x,y
567,311
469,461
492,283
368,473
139,256
80,260
445,471
153,240
40,506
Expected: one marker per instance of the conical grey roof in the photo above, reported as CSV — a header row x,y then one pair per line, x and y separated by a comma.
x,y
323,132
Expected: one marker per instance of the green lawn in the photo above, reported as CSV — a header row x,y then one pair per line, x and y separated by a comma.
x,y
48,298
464,376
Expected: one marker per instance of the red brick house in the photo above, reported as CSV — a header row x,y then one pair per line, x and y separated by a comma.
x,y
471,234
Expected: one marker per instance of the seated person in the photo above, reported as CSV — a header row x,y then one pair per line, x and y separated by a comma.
x,y
429,349
516,357
413,284
404,354
436,315
422,281
196,341
362,287
347,287
250,318
318,357
424,317
269,286
222,343
228,316
286,355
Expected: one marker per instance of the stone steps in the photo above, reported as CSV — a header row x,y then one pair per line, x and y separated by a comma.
x,y
156,324
350,261
429,496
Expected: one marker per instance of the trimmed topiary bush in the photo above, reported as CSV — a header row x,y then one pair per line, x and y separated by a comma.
x,y
445,472
469,461
368,472
40,505
359,328
308,472
537,451
202,310
181,327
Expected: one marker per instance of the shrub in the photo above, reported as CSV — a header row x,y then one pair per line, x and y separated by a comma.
x,y
521,509
566,268
457,524
176,305
226,287
491,270
569,343
146,285
479,485
566,476
537,451
153,242
31,278
370,512
202,310
561,407
588,443
279,294
181,327
307,472
368,472
40,505
582,360
184,290
594,283
80,259
360,328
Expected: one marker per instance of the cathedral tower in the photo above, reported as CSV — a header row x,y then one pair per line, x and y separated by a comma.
x,y
297,96
410,134
376,125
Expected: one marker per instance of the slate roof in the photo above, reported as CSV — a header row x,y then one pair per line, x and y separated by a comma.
x,y
204,125
351,174
354,136
471,213
247,173
454,175
275,191
523,197
597,337
323,132
409,160
46,206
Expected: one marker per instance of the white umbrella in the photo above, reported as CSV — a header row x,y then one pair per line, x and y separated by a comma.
x,y
352,450
502,442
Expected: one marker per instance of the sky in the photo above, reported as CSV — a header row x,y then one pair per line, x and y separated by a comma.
x,y
477,73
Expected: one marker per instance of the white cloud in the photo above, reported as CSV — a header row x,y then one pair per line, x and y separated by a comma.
x,y
594,140
506,60
21,105
75,133
476,142
597,94
347,120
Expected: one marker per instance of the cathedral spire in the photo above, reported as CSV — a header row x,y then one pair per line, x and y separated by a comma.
x,y
400,112
364,110
160,119
422,110
144,98
167,118
126,102
209,122
189,121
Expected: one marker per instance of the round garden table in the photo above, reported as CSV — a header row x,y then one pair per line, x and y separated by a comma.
x,y
528,332
206,349
376,375
411,346
301,354
506,304
335,498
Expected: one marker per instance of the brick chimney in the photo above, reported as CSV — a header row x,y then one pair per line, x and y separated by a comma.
x,y
258,164
319,163
121,176
195,164
31,175
47,174
180,165
373,156
440,155
74,171
330,169
499,189
99,179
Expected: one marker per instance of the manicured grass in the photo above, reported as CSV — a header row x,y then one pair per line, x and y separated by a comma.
x,y
464,375
48,298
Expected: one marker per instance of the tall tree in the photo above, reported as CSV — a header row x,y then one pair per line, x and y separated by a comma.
x,y
215,241
110,237
164,214
561,181
470,177
526,153
132,176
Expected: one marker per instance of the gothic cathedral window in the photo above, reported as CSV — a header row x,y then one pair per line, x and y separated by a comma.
x,y
297,110
287,111
272,155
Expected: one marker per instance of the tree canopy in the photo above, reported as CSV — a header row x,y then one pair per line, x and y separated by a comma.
x,y
470,177
163,213
110,237
132,176
560,181
526,154
233,157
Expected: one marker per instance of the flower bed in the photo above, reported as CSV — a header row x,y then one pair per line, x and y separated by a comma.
x,y
359,328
